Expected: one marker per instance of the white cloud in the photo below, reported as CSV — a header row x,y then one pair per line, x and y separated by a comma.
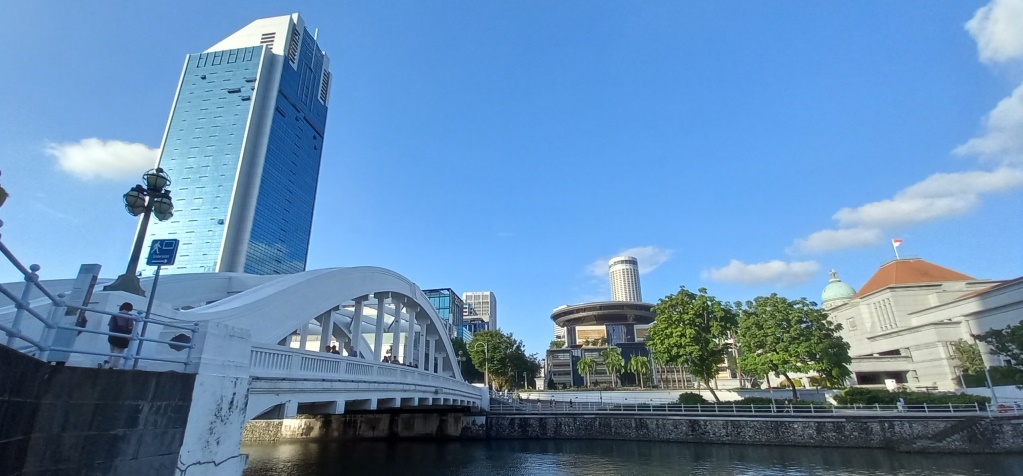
x,y
649,257
828,240
938,196
1003,135
99,159
785,273
998,29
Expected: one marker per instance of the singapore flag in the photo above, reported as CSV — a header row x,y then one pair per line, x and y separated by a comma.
x,y
896,242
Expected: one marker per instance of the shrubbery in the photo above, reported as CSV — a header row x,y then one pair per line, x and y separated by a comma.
x,y
867,396
687,398
764,401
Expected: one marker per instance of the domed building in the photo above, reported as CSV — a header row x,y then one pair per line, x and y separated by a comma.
x,y
902,322
836,292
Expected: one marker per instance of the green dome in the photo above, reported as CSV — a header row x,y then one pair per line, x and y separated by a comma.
x,y
836,290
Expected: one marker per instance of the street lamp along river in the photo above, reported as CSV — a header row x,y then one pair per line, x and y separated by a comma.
x,y
151,199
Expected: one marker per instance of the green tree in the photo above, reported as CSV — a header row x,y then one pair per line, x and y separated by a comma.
x,y
613,362
557,344
1007,341
502,357
782,336
469,371
968,354
586,366
639,366
692,330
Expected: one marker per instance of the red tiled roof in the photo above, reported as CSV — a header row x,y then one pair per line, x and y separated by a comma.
x,y
909,271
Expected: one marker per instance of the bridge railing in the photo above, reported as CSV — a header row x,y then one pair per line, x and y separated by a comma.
x,y
726,409
43,346
275,361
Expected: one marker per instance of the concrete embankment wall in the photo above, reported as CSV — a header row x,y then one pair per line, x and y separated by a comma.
x,y
368,426
74,420
970,435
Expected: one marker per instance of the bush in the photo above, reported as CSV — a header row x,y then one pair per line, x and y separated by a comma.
x,y
866,396
785,383
1000,376
687,398
764,401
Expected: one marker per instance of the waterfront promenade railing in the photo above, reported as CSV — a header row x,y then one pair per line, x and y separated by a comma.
x,y
725,408
45,345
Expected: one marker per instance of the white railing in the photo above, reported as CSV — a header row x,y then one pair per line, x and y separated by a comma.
x,y
279,362
42,346
731,409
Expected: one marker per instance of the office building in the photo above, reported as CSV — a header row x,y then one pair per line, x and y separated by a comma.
x,y
450,308
242,147
624,273
484,308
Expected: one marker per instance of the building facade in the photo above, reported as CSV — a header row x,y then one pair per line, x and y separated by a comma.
x,y
242,146
902,323
450,308
484,309
624,274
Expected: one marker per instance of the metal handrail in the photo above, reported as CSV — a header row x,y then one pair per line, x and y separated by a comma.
x,y
725,408
43,345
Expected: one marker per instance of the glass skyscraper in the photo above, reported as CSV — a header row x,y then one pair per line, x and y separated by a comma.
x,y
243,147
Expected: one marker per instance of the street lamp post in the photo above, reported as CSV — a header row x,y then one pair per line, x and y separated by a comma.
x,y
151,199
486,361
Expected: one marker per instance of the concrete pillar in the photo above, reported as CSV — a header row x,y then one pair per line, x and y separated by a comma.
x,y
378,341
432,364
357,326
302,341
410,334
213,433
326,328
422,345
396,329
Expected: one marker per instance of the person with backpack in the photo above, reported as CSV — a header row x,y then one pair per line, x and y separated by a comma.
x,y
121,323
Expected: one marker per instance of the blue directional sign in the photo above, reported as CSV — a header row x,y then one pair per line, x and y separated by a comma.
x,y
162,253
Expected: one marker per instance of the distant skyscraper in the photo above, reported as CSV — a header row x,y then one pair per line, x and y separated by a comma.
x,y
242,147
624,271
484,305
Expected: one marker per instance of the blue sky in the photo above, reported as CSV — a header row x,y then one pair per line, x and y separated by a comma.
x,y
746,147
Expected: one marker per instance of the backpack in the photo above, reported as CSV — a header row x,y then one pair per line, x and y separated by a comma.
x,y
121,324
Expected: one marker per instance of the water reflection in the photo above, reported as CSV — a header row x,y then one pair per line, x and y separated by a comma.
x,y
595,457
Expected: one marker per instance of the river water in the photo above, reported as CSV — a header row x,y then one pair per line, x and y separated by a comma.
x,y
602,457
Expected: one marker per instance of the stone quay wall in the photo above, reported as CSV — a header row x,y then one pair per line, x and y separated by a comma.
x,y
368,426
948,435
75,420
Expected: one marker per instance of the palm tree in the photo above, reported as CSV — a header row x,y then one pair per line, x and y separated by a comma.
x,y
639,366
613,363
585,367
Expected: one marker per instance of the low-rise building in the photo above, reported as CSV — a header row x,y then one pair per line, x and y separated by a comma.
x,y
902,322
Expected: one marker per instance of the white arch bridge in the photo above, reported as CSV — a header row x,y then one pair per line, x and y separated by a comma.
x,y
274,330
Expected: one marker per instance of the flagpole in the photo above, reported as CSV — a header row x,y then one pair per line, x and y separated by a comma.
x,y
895,246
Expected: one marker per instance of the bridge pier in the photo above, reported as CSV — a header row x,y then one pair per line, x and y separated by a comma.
x,y
213,433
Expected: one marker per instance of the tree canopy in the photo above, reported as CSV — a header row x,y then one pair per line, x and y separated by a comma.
x,y
692,330
639,366
1007,341
469,371
586,366
503,357
613,362
782,336
968,354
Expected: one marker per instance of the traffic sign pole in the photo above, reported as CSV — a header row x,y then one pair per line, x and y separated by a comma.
x,y
145,322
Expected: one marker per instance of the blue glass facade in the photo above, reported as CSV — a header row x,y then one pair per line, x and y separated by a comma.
x,y
202,150
279,242
449,307
243,150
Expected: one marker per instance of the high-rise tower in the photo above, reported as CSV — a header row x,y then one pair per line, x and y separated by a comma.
x,y
243,146
624,271
484,304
